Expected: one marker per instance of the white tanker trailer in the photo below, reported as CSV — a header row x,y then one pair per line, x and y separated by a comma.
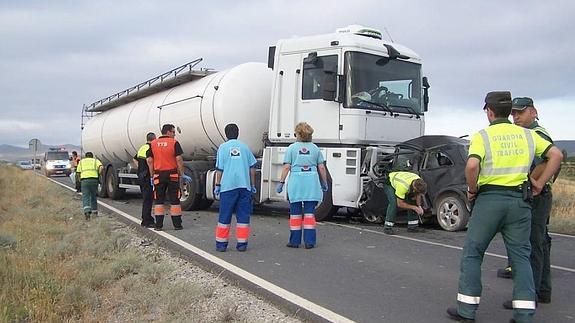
x,y
360,93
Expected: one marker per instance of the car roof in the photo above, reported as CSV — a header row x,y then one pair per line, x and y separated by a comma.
x,y
432,141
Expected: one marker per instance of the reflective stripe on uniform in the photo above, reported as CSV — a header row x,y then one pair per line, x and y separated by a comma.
x,y
295,222
309,221
242,232
474,300
222,232
159,209
175,210
529,305
412,222
488,169
389,224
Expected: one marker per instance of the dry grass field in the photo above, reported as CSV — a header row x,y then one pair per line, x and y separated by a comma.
x,y
563,211
57,267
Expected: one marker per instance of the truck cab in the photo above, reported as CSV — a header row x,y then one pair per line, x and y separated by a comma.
x,y
357,91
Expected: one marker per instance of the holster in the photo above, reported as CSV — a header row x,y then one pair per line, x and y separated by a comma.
x,y
527,192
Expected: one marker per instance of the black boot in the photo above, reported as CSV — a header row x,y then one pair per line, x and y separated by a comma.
x,y
454,315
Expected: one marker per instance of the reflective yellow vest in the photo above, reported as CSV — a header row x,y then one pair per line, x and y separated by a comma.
x,y
506,152
401,182
88,168
142,152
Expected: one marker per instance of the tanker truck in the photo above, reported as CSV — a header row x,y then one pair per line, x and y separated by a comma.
x,y
361,94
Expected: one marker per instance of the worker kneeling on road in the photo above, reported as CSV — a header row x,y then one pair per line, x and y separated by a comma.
x,y
404,190
166,166
89,170
235,184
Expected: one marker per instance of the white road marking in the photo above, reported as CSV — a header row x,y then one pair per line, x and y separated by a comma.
x,y
270,287
571,270
561,235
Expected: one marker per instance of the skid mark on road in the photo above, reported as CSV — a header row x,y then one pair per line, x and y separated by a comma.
x,y
571,270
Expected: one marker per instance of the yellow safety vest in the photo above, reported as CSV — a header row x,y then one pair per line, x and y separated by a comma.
x,y
401,182
142,152
506,152
88,168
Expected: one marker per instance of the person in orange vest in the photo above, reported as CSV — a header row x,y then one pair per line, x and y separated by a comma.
x,y
75,160
235,183
166,166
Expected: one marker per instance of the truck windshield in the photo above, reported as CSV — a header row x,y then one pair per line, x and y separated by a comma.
x,y
379,83
57,155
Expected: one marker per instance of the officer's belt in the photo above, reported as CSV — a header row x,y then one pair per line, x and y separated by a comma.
x,y
490,188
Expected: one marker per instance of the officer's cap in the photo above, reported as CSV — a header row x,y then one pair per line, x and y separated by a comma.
x,y
498,98
521,103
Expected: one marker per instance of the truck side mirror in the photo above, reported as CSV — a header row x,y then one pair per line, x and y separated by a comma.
x,y
329,86
426,87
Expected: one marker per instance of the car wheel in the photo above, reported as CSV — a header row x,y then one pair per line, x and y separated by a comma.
x,y
451,212
372,217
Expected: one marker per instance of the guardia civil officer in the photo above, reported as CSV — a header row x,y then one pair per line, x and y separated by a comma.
x,y
88,170
406,191
235,184
166,167
499,160
146,187
525,115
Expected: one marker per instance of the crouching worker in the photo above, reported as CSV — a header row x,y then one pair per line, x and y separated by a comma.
x,y
89,169
404,190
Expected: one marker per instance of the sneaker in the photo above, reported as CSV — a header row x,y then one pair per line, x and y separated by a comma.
x,y
242,248
506,273
389,230
454,315
309,246
289,245
415,230
158,229
87,215
178,228
221,249
543,300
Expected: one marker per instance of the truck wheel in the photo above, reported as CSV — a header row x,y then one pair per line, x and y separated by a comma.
x,y
112,189
191,198
451,212
326,210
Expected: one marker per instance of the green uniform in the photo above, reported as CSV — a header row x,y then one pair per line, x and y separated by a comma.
x,y
399,186
540,239
506,152
89,172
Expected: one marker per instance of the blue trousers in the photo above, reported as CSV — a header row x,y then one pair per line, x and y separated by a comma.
x,y
238,201
302,215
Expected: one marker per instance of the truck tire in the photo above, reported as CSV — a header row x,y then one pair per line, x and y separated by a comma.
x,y
325,209
112,189
191,198
451,212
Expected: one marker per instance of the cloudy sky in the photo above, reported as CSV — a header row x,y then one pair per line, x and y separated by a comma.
x,y
57,55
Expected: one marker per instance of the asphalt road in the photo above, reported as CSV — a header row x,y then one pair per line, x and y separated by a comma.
x,y
366,276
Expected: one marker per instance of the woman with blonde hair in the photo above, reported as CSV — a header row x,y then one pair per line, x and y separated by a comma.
x,y
305,164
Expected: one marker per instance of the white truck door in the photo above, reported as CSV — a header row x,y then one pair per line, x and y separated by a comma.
x,y
322,115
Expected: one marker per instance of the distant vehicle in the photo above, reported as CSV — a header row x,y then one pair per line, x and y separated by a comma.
x,y
440,161
25,164
37,164
56,162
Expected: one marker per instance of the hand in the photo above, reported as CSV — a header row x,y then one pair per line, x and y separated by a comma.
x,y
471,196
217,191
419,210
279,188
324,186
536,188
186,178
254,189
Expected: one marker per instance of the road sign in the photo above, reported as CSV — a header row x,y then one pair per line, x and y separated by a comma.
x,y
34,144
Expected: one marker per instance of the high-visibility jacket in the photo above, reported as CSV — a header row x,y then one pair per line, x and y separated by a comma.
x,y
506,152
141,156
164,153
88,168
401,182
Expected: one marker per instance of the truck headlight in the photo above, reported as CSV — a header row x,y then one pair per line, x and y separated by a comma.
x,y
49,166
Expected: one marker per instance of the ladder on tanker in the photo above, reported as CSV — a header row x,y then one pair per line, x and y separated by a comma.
x,y
169,79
